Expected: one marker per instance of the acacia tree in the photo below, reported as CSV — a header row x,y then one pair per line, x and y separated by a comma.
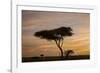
x,y
41,55
68,53
56,35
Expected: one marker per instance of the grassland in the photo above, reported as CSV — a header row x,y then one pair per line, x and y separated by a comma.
x,y
54,58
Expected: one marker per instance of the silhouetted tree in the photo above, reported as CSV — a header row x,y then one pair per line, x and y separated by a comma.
x,y
41,55
68,52
55,34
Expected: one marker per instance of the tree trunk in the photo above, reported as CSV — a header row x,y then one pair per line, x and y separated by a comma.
x,y
58,45
60,51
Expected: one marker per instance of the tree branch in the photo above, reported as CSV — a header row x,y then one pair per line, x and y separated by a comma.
x,y
62,43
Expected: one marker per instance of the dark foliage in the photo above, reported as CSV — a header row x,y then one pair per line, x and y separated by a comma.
x,y
50,34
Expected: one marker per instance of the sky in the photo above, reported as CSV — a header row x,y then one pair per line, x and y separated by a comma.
x,y
33,21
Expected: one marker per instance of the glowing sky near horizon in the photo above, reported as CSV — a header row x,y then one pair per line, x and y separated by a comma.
x,y
33,21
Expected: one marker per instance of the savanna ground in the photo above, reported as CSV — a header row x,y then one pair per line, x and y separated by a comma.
x,y
55,58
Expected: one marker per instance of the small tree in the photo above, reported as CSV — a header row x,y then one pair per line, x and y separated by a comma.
x,y
68,53
42,55
56,34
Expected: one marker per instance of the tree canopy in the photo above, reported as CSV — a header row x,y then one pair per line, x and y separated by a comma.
x,y
54,33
